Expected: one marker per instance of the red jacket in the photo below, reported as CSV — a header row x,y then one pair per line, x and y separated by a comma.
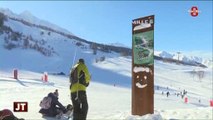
x,y
5,113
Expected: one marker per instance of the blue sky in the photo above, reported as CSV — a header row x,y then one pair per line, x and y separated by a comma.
x,y
111,21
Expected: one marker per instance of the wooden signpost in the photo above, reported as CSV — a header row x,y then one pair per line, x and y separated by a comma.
x,y
143,65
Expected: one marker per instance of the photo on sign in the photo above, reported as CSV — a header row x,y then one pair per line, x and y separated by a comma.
x,y
143,44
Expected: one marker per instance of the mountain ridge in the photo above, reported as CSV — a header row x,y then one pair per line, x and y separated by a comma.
x,y
103,47
124,51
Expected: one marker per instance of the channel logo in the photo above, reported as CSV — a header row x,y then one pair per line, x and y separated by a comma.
x,y
20,106
194,11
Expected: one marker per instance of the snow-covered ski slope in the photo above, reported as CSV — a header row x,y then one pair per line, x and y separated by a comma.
x,y
110,98
109,94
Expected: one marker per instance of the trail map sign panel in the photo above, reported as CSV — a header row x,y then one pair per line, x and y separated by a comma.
x,y
143,65
143,48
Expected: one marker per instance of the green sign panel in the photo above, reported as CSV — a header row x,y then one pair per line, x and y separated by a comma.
x,y
143,44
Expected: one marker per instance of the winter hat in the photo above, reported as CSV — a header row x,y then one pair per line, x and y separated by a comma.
x,y
56,92
81,60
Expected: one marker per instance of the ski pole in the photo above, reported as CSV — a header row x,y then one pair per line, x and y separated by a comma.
x,y
74,57
72,67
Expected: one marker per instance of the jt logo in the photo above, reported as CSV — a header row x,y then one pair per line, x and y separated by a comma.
x,y
20,106
194,11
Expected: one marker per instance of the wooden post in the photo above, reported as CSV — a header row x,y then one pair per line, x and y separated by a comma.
x,y
15,73
143,66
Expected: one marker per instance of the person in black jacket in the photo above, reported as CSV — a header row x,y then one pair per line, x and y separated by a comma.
x,y
55,108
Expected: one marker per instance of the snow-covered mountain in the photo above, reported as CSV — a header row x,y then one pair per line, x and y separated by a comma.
x,y
33,48
118,44
185,58
23,35
27,16
27,32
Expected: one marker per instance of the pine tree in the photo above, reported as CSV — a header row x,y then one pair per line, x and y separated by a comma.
x,y
2,18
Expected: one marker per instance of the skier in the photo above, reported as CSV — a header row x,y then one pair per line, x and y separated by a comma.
x,y
79,79
6,114
182,96
53,108
184,92
167,94
178,94
158,87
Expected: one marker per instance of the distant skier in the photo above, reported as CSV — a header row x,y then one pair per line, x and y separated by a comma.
x,y
158,87
167,94
178,94
182,96
7,114
79,79
184,92
51,107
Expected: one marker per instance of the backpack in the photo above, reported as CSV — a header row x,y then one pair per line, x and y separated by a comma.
x,y
46,102
74,75
74,78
